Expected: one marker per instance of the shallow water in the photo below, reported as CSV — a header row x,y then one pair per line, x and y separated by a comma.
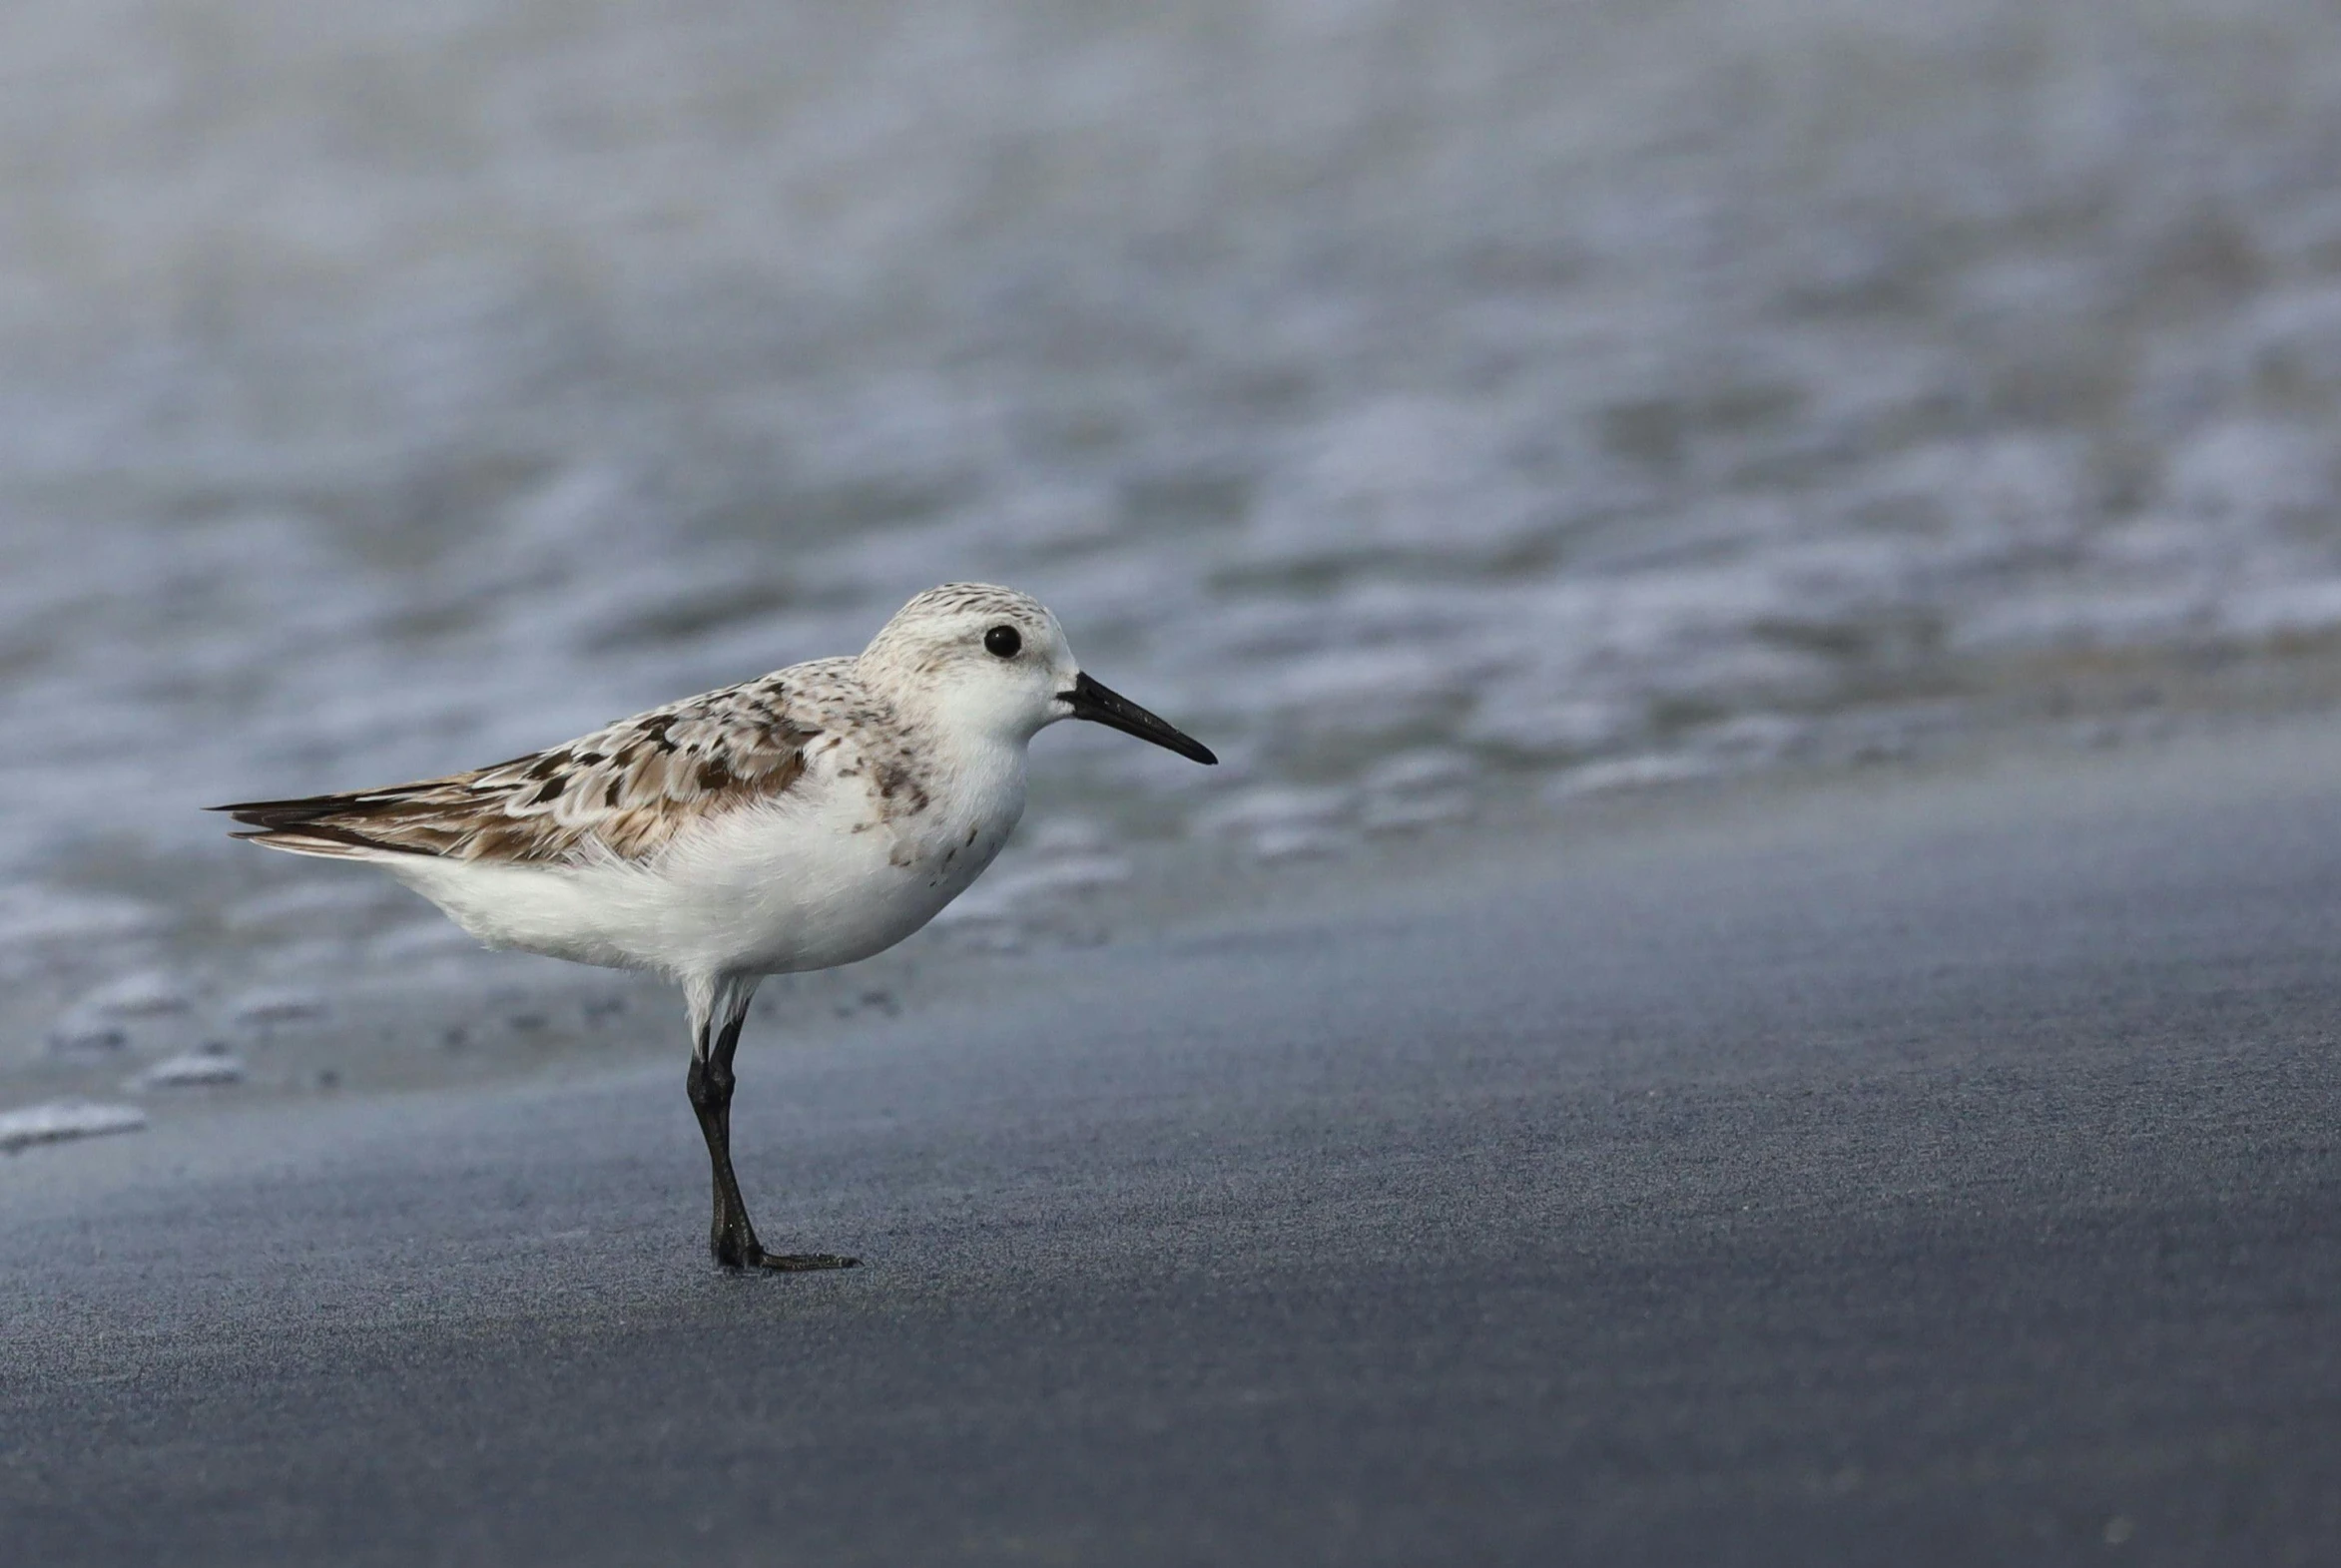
x,y
1415,402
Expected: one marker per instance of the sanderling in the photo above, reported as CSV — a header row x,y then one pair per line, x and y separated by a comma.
x,y
805,819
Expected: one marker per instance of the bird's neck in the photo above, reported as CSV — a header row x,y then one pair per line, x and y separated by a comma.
x,y
986,774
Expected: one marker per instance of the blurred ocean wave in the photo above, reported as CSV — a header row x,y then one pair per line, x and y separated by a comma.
x,y
1599,394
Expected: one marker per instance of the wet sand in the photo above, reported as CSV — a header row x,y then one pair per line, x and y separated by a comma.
x,y
1933,1169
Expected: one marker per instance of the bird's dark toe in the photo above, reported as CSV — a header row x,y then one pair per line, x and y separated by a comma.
x,y
805,1263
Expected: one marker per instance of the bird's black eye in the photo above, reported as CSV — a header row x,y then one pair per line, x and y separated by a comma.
x,y
1004,641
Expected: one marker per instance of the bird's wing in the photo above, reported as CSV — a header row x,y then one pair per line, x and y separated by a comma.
x,y
624,791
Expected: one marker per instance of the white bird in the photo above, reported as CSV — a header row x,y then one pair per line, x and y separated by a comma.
x,y
805,819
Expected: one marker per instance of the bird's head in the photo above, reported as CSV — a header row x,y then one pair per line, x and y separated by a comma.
x,y
994,660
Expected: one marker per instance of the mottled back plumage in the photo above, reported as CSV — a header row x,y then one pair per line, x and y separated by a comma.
x,y
624,791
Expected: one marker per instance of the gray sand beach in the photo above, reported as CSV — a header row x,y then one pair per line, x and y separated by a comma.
x,y
1926,1165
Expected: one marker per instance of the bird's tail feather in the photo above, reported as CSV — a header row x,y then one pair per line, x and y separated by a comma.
x,y
307,827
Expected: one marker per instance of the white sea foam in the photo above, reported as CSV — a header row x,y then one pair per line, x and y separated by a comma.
x,y
143,993
277,1004
213,1068
42,914
59,1120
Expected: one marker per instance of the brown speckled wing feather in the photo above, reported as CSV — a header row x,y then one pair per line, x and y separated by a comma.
x,y
626,789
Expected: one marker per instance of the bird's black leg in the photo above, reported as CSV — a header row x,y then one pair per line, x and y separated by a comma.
x,y
733,1237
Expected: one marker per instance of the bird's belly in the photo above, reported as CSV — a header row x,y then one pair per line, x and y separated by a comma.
x,y
762,892
824,922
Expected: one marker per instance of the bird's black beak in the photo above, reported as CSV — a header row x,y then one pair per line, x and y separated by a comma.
x,y
1102,705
